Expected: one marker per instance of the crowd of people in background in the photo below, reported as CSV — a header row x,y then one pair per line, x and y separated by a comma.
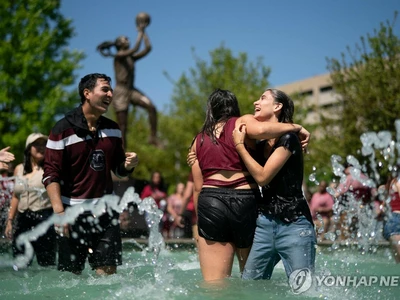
x,y
246,178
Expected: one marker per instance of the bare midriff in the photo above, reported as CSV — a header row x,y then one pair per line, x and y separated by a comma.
x,y
228,176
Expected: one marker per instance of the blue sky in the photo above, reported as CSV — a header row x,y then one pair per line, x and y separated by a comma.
x,y
293,37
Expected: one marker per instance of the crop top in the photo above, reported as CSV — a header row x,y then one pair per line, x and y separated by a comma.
x,y
220,156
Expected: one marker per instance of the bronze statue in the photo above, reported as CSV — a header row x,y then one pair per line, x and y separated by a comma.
x,y
124,68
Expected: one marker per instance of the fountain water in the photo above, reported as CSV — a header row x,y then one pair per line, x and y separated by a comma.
x,y
161,272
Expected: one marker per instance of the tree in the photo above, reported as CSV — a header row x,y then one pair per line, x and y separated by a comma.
x,y
36,67
367,77
185,115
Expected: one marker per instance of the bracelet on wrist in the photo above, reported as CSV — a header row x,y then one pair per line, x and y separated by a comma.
x,y
61,212
238,144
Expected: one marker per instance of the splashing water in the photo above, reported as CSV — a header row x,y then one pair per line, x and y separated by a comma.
x,y
368,232
106,204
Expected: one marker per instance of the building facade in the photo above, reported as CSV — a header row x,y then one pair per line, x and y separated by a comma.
x,y
317,93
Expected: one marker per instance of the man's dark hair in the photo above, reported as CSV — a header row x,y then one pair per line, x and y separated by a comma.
x,y
89,82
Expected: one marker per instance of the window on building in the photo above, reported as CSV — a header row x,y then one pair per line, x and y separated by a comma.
x,y
326,89
308,93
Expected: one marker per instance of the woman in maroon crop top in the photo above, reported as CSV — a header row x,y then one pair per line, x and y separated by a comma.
x,y
225,195
391,231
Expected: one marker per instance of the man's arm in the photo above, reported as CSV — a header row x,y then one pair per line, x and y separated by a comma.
x,y
127,167
54,193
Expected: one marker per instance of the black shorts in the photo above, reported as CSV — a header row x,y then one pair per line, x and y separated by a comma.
x,y
45,246
98,239
228,215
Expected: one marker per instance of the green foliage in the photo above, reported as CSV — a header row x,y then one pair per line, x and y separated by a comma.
x,y
368,79
36,67
185,115
316,158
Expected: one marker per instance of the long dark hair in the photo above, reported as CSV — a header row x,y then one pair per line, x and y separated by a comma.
x,y
161,185
221,106
287,111
27,160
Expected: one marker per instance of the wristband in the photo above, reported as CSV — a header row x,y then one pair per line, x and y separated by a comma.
x,y
238,144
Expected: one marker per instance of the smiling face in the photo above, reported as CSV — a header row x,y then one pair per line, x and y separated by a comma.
x,y
99,99
265,108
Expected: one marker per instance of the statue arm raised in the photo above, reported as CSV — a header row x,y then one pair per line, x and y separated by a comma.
x,y
135,48
146,50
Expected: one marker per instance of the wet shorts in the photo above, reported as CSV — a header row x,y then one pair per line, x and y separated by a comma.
x,y
228,215
392,226
99,239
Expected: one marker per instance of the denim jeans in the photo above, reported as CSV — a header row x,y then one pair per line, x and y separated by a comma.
x,y
392,226
274,240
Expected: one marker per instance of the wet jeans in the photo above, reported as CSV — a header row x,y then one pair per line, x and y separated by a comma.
x,y
392,226
294,243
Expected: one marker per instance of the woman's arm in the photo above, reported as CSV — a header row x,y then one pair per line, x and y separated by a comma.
x,y
269,130
12,212
170,208
11,216
187,194
197,178
262,174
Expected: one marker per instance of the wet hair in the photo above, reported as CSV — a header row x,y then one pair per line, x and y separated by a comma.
x,y
287,111
27,160
221,106
89,82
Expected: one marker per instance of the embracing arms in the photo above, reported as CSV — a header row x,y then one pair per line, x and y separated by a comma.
x,y
269,130
262,174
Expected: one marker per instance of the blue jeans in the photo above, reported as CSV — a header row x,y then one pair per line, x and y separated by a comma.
x,y
274,240
392,226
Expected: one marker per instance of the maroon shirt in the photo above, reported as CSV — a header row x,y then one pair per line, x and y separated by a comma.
x,y
82,161
220,156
